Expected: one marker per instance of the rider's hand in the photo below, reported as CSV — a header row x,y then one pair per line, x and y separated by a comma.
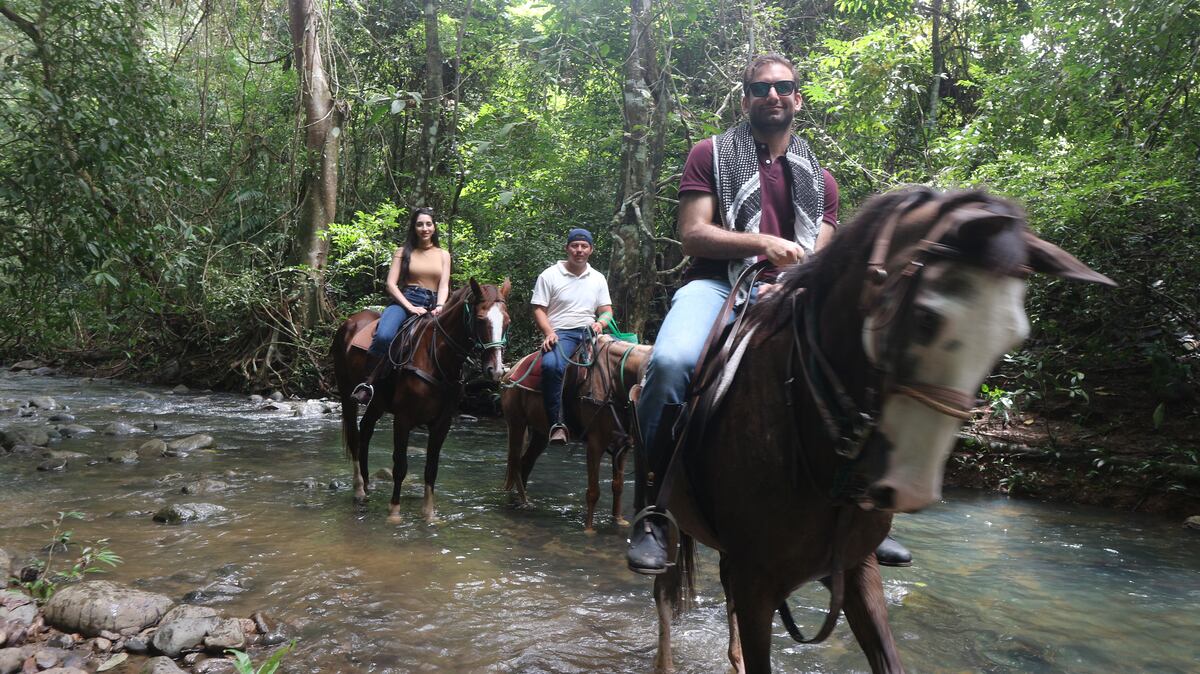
x,y
419,311
765,290
782,252
597,328
436,311
549,341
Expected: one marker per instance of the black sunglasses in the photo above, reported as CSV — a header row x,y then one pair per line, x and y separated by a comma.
x,y
762,89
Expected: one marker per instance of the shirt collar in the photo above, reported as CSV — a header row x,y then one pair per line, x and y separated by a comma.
x,y
562,268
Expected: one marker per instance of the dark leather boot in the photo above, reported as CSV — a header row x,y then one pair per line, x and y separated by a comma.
x,y
649,537
366,390
891,553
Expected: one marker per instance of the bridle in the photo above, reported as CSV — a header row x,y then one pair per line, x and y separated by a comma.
x,y
884,297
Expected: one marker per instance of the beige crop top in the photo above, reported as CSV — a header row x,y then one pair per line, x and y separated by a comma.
x,y
424,269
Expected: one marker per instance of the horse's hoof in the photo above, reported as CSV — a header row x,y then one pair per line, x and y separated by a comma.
x,y
395,518
590,531
360,499
621,522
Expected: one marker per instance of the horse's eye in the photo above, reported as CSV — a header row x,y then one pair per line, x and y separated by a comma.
x,y
926,324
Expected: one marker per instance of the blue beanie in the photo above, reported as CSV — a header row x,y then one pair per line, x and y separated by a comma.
x,y
579,234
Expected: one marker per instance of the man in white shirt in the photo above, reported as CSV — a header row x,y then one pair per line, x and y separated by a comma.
x,y
570,303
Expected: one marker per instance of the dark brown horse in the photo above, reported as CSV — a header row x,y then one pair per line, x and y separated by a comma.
x,y
856,376
425,390
596,404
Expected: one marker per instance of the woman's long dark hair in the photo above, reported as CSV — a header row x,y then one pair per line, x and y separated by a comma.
x,y
410,241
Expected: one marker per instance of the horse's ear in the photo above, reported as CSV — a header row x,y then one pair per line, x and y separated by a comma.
x,y
505,288
476,291
1048,258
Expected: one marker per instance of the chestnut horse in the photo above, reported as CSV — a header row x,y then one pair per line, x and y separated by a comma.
x,y
425,390
855,376
596,404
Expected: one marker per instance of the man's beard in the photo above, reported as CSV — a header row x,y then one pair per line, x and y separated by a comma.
x,y
761,120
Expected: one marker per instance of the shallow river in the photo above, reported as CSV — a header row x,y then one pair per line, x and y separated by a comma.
x,y
998,585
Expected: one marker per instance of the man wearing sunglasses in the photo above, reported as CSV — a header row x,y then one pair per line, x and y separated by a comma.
x,y
754,192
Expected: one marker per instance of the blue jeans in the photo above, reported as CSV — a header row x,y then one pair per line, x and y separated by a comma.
x,y
694,309
554,363
395,315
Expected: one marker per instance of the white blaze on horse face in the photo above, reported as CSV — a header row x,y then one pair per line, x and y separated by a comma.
x,y
495,365
982,317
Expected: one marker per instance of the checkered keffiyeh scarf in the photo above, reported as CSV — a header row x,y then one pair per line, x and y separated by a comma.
x,y
739,194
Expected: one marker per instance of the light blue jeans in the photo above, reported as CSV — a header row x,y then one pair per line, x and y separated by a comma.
x,y
694,309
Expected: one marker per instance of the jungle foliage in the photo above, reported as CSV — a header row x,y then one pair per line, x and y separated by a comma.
x,y
154,161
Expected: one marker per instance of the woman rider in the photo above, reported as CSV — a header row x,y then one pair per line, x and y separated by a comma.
x,y
418,283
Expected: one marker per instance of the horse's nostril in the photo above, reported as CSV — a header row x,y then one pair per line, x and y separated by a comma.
x,y
884,498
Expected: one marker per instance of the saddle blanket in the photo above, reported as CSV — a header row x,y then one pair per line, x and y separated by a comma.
x,y
362,338
526,374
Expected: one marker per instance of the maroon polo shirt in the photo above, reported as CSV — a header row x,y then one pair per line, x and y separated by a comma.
x,y
778,219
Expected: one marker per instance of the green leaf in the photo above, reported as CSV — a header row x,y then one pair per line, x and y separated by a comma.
x,y
1159,413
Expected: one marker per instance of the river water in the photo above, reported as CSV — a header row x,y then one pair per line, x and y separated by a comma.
x,y
998,585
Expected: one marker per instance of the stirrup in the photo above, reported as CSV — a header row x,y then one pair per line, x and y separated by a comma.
x,y
672,532
369,393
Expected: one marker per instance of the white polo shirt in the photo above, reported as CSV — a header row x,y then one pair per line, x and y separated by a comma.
x,y
571,301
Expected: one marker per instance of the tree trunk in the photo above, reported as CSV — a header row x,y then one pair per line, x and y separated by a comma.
x,y
632,273
431,107
939,64
319,179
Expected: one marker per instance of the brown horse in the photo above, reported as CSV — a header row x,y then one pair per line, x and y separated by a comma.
x,y
425,390
854,378
596,404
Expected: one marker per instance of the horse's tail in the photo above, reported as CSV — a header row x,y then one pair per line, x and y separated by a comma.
x,y
350,427
682,585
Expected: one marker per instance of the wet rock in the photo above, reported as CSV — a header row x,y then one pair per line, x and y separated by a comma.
x,y
25,365
60,640
99,605
467,418
153,447
17,608
62,454
27,411
227,634
191,443
75,430
180,513
256,398
309,483
127,456
205,486
24,435
383,474
62,418
44,403
121,428
277,406
1192,522
48,657
144,395
5,566
112,662
43,371
11,660
184,627
170,477
214,666
180,390
276,396
101,645
338,485
161,665
24,449
138,644
52,465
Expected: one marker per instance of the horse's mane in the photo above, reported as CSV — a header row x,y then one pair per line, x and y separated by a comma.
x,y
851,246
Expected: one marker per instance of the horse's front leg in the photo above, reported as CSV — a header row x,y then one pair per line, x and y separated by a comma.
x,y
618,485
433,451
866,611
595,452
399,466
735,643
512,471
366,428
754,611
